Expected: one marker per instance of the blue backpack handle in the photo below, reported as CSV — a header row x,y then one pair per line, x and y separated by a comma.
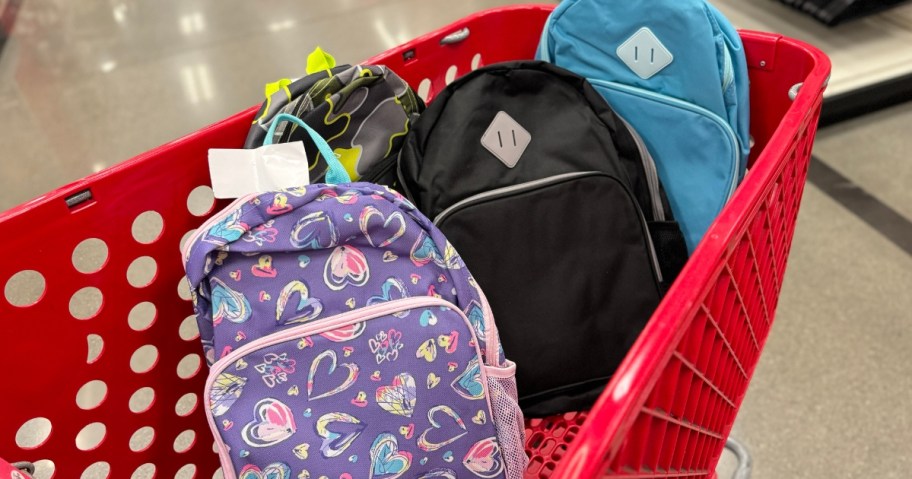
x,y
336,173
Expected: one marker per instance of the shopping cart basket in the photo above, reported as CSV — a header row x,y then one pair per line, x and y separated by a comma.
x,y
100,356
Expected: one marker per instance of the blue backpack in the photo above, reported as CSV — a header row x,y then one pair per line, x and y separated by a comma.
x,y
674,69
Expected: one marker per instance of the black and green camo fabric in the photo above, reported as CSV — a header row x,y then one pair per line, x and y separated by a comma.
x,y
363,112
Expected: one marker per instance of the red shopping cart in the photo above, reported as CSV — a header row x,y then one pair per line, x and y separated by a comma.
x,y
96,275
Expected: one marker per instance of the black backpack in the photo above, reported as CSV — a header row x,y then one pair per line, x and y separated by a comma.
x,y
555,205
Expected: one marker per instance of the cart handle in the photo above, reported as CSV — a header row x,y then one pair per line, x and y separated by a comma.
x,y
336,173
745,463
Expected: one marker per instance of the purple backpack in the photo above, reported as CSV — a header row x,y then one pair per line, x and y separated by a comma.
x,y
347,339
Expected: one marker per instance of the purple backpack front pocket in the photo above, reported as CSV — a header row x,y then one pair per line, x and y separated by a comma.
x,y
391,390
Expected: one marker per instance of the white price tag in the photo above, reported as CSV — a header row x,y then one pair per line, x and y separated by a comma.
x,y
236,173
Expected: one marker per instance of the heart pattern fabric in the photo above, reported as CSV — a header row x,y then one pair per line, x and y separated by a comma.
x,y
296,389
228,304
338,430
391,290
399,398
351,371
276,470
388,423
325,251
273,423
387,462
379,231
346,266
231,228
314,231
427,444
304,310
484,459
386,345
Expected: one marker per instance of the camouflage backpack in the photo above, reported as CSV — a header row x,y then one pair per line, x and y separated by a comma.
x,y
363,112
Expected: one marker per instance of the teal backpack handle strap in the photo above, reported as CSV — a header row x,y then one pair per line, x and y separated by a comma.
x,y
336,173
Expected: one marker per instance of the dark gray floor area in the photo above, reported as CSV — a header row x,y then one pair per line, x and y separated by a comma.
x,y
831,395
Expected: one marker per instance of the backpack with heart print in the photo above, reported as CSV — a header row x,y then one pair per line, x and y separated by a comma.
x,y
346,338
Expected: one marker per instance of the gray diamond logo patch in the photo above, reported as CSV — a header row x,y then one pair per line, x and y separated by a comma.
x,y
506,139
644,53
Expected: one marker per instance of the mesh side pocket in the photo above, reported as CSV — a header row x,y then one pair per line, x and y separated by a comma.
x,y
508,419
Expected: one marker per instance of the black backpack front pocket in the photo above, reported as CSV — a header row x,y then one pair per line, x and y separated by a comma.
x,y
568,267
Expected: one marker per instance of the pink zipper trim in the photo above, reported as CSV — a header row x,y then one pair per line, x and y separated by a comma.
x,y
186,247
333,322
492,338
507,371
320,326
